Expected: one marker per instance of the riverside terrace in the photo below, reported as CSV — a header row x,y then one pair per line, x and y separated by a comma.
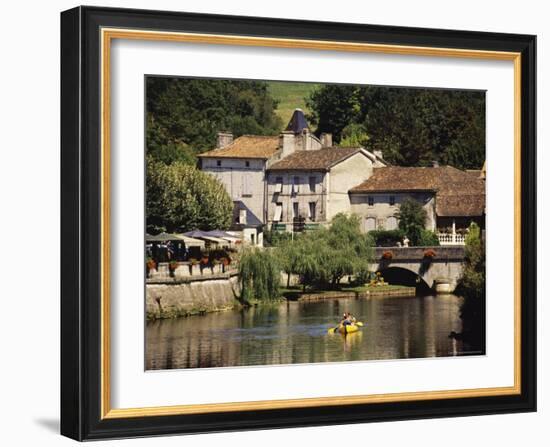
x,y
435,268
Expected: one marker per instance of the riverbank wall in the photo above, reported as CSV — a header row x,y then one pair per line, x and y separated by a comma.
x,y
402,291
172,298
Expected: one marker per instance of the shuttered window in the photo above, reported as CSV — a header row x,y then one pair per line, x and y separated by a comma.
x,y
391,223
296,185
312,211
370,224
247,189
278,212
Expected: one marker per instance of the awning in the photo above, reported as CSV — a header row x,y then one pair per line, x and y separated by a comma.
x,y
191,242
196,233
216,240
161,237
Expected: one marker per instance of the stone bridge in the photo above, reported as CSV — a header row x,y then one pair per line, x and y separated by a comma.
x,y
413,264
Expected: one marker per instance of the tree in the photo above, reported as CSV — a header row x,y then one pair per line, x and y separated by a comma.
x,y
259,274
472,282
411,126
412,219
472,287
179,197
354,135
323,257
334,107
184,115
289,255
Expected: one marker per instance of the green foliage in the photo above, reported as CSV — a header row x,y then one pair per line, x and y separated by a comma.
x,y
354,135
412,219
260,275
428,239
333,107
387,238
275,238
472,283
412,127
322,257
289,96
182,198
184,115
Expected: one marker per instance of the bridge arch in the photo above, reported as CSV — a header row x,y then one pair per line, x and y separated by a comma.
x,y
404,277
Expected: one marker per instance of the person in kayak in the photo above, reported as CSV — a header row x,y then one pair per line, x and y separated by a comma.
x,y
348,319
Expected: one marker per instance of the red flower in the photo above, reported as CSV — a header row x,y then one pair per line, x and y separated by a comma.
x,y
429,253
172,265
387,255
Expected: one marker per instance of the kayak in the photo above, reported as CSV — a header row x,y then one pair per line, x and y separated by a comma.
x,y
348,328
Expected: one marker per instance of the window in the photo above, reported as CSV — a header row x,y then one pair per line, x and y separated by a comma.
x,y
252,241
392,200
278,184
242,217
295,210
246,186
312,182
218,162
370,224
312,211
370,200
391,223
278,212
295,185
247,164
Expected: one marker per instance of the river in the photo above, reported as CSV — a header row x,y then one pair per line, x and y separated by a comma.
x,y
296,332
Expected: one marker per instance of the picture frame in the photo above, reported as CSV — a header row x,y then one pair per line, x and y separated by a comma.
x,y
86,37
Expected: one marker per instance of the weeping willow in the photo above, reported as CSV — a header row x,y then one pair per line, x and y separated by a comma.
x,y
260,275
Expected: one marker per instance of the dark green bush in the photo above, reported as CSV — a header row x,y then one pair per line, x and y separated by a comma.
x,y
428,239
387,238
276,238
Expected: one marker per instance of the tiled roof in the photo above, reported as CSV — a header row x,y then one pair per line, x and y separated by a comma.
x,y
460,204
458,193
246,146
318,160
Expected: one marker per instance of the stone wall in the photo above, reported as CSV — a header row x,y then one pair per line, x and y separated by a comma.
x,y
381,210
445,266
344,176
286,197
235,175
180,298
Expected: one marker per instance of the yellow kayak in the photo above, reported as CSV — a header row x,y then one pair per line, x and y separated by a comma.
x,y
347,328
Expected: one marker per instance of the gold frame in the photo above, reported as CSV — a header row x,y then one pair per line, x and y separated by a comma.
x,y
107,35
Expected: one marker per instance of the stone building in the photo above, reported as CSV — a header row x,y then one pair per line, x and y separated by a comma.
x,y
451,197
277,181
312,186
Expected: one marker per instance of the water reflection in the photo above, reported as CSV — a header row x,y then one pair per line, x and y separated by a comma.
x,y
408,327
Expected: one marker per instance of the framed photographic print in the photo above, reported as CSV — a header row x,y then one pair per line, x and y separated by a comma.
x,y
276,223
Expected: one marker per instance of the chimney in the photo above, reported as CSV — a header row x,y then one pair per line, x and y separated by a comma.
x,y
287,143
326,139
435,164
378,154
224,139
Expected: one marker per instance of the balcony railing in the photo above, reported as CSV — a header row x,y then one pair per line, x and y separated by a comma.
x,y
451,239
